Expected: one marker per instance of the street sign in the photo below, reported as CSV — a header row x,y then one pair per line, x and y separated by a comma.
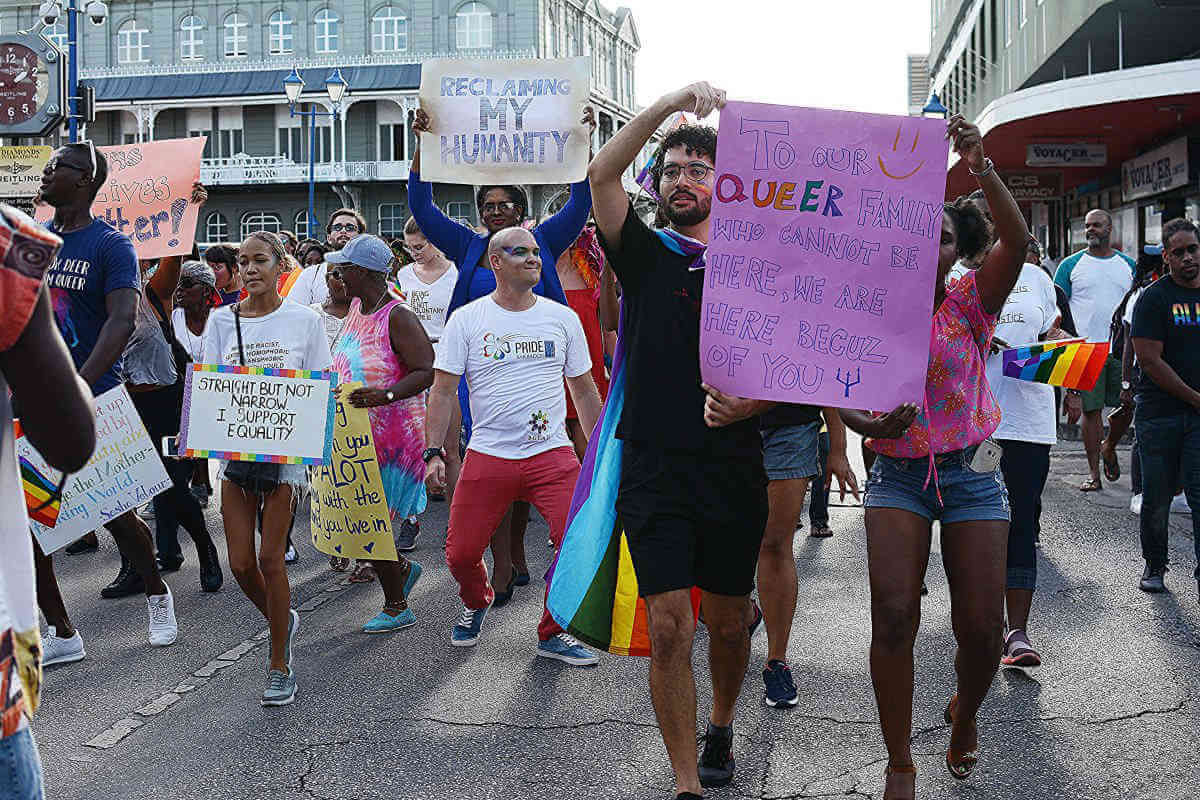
x,y
1162,169
1057,154
33,86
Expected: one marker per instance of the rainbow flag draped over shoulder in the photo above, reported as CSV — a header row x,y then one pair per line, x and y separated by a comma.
x,y
1070,363
593,588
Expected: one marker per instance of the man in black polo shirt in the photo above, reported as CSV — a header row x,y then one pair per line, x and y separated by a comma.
x,y
1166,338
692,498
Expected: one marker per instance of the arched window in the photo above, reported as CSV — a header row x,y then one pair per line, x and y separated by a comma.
x,y
133,43
216,227
255,221
325,31
57,33
473,26
236,35
301,226
191,38
281,25
389,31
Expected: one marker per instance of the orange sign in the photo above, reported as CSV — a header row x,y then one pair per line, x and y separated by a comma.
x,y
148,193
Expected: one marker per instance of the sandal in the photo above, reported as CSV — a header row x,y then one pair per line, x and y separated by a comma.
x,y
906,777
960,764
339,564
363,573
1091,485
1112,469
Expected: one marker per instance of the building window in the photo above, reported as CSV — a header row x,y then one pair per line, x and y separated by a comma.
x,y
473,26
230,143
293,143
391,221
391,142
301,226
216,227
236,35
551,34
133,46
57,33
255,221
389,31
325,31
461,212
281,33
208,141
191,38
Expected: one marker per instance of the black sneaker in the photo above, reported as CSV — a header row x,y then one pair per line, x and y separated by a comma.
x,y
88,543
1152,579
688,796
406,539
716,759
128,582
781,689
211,577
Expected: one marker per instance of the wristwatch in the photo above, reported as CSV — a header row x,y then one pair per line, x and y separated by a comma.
x,y
432,453
390,395
1126,386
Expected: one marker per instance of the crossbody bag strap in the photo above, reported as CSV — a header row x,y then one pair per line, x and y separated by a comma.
x,y
237,325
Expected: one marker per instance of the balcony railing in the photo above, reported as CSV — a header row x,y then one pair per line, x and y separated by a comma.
x,y
252,170
287,62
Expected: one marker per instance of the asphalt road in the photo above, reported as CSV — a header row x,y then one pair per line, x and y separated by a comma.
x,y
1111,714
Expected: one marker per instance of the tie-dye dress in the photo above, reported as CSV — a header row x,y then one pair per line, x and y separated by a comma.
x,y
363,352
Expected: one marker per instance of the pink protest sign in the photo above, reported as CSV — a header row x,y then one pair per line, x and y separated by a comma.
x,y
822,255
147,194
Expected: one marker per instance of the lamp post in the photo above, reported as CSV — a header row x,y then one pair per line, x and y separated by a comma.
x,y
97,12
335,88
934,108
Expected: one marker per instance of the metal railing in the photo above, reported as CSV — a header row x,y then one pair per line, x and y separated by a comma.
x,y
252,170
286,62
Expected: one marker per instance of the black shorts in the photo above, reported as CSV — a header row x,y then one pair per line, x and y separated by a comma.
x,y
692,520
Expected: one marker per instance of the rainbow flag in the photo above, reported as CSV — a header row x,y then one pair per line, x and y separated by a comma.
x,y
1070,363
593,588
38,488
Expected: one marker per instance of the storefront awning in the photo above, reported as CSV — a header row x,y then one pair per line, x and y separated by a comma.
x,y
249,84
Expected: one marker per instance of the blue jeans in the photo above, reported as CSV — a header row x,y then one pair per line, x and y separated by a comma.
x,y
20,768
966,495
1169,448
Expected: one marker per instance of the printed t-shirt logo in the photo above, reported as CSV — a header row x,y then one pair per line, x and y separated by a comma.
x,y
516,346
539,426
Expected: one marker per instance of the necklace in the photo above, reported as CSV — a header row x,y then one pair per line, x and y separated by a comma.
x,y
195,345
378,303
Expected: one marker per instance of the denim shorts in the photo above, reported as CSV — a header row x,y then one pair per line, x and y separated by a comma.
x,y
790,451
20,767
966,495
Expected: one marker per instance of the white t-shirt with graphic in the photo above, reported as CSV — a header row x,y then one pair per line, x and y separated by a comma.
x,y
514,362
1027,407
291,337
428,301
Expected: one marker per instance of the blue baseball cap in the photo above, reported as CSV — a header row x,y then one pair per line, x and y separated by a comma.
x,y
366,251
1152,249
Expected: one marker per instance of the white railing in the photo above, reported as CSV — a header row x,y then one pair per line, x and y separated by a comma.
x,y
250,170
287,62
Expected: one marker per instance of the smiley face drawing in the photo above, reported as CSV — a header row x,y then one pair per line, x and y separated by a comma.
x,y
896,148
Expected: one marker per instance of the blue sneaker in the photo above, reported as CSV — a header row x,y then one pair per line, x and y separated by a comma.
x,y
384,622
414,575
781,689
567,648
465,632
281,689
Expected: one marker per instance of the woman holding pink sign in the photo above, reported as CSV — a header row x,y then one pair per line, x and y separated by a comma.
x,y
938,462
264,331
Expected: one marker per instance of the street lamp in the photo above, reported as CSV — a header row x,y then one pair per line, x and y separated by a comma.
x,y
934,108
49,12
335,88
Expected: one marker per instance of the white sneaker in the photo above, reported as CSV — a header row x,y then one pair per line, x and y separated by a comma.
x,y
164,630
290,555
1135,504
57,650
146,511
1179,504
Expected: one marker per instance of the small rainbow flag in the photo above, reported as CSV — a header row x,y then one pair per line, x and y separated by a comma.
x,y
593,588
1070,363
38,489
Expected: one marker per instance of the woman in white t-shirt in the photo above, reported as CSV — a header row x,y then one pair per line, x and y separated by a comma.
x,y
195,299
277,335
1027,431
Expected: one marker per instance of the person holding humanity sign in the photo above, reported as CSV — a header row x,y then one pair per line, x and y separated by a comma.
x,y
264,331
939,463
383,345
499,207
693,492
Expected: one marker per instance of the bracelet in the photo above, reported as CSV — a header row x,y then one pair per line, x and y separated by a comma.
x,y
988,167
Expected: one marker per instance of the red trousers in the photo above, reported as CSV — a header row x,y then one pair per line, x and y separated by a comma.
x,y
487,488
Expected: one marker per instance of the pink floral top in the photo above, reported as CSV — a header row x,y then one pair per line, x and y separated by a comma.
x,y
960,410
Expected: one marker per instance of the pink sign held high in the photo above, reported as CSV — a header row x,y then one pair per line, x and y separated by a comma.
x,y
822,255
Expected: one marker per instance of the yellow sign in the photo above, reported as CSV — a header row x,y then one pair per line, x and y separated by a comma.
x,y
350,515
21,170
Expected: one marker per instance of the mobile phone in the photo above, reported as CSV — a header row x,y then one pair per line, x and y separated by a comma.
x,y
170,446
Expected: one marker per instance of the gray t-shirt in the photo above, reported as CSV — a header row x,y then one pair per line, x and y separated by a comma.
x,y
148,358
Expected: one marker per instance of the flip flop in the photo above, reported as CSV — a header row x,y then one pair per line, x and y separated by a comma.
x,y
1112,469
1091,485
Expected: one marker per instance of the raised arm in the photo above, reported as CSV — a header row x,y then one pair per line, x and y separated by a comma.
x,y
609,203
451,237
998,274
165,279
562,229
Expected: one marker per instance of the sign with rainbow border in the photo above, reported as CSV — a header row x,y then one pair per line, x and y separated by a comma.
x,y
283,416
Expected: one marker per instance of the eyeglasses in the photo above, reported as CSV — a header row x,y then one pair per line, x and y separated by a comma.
x,y
488,208
352,227
696,171
521,251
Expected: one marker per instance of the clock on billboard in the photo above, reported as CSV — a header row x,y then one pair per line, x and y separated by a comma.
x,y
32,85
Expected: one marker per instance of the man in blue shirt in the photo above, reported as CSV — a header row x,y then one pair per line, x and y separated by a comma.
x,y
94,285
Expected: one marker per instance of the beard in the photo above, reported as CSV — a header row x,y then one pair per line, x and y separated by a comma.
x,y
689,216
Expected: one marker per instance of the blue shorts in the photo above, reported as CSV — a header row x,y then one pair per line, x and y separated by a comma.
x,y
966,495
790,451
20,767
